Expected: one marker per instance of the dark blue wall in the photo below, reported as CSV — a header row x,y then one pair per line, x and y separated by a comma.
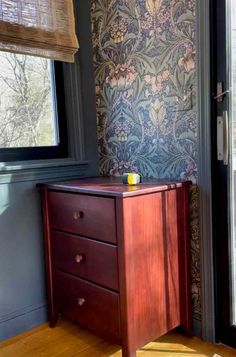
x,y
22,274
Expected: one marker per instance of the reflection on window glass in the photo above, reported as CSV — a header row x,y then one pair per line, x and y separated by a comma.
x,y
27,105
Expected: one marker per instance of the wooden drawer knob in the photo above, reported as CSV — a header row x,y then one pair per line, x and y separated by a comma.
x,y
79,258
78,215
81,301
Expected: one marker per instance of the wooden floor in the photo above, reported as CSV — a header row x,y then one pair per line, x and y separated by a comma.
x,y
67,340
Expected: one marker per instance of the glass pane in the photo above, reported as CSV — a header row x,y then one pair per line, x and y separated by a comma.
x,y
232,110
28,116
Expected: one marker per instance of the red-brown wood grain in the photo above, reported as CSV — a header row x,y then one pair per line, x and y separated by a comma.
x,y
86,258
112,186
171,258
148,253
147,228
93,307
85,215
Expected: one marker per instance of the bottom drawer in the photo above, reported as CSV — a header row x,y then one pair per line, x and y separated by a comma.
x,y
93,307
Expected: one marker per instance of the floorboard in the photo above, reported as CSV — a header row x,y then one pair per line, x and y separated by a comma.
x,y
69,340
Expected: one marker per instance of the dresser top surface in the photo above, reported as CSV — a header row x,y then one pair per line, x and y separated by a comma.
x,y
110,186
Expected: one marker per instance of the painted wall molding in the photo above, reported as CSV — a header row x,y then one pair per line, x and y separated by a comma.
x,y
204,167
21,320
45,173
22,311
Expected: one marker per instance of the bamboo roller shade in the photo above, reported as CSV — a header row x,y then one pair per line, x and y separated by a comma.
x,y
44,28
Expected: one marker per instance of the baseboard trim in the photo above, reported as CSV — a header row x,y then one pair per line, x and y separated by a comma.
x,y
20,321
197,327
32,317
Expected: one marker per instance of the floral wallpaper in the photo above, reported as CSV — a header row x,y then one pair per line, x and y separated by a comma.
x,y
144,60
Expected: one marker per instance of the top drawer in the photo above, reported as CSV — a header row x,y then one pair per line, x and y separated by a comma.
x,y
85,215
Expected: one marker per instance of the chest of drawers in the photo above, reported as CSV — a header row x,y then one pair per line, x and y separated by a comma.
x,y
117,258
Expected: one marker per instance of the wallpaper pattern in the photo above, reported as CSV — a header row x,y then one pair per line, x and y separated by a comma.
x,y
144,58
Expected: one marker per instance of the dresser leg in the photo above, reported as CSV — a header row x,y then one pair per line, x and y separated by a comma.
x,y
126,352
53,316
187,328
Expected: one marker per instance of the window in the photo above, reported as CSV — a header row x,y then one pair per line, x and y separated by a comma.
x,y
32,108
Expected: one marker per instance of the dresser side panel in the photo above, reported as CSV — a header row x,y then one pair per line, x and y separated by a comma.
x,y
149,267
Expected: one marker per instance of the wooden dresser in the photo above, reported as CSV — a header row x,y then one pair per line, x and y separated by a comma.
x,y
117,257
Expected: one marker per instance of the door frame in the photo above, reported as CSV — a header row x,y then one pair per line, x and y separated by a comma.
x,y
222,174
204,169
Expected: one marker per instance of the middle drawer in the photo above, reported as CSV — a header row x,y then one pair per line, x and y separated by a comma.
x,y
86,258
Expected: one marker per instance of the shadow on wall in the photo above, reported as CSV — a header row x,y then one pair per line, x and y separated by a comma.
x,y
144,61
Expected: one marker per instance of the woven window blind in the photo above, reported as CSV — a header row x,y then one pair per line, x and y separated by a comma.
x,y
44,28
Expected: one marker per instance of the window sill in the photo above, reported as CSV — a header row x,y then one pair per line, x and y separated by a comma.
x,y
38,164
56,169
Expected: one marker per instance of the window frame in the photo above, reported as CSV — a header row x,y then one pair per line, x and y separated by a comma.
x,y
80,105
46,152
